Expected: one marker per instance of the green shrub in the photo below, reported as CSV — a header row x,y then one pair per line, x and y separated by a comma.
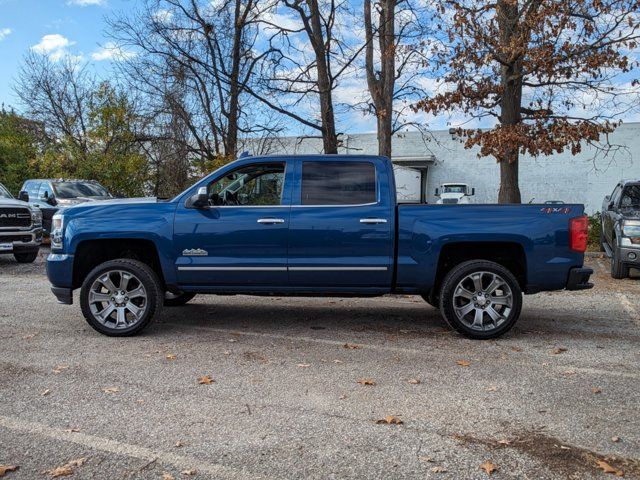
x,y
595,228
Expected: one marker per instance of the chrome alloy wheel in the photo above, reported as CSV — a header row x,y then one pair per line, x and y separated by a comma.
x,y
118,299
482,301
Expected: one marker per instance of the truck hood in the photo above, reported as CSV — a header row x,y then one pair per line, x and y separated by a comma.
x,y
10,202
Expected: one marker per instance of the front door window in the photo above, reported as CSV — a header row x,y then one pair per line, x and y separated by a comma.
x,y
254,185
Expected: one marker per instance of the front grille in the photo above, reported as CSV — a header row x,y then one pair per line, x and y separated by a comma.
x,y
15,217
14,238
449,200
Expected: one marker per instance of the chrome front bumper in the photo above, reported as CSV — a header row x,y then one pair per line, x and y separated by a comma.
x,y
21,240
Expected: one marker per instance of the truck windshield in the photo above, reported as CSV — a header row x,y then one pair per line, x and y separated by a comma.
x,y
4,193
79,189
454,189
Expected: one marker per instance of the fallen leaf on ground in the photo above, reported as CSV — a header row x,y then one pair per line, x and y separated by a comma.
x,y
66,469
72,430
426,459
414,381
366,381
615,439
491,388
168,476
350,346
504,442
111,390
516,349
226,352
438,469
342,397
559,350
303,365
60,368
179,444
569,372
7,468
488,467
191,471
171,356
337,361
46,392
596,390
606,468
205,380
29,336
463,363
390,420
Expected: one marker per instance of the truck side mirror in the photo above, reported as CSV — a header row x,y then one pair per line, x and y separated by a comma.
x,y
23,195
437,192
199,199
51,200
610,206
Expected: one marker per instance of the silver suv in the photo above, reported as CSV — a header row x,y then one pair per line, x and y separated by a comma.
x,y
620,236
20,227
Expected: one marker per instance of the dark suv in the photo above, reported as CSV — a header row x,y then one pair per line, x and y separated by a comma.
x,y
51,195
621,227
20,227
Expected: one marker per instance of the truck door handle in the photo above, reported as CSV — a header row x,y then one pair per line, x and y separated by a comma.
x,y
373,220
270,221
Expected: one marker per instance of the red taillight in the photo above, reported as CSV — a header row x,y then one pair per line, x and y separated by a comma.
x,y
578,233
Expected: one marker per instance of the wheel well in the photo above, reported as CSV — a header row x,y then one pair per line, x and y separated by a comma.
x,y
508,254
91,253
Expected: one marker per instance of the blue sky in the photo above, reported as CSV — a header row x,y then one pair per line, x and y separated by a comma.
x,y
76,27
65,26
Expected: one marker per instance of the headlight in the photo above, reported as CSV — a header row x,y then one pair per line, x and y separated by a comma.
x,y
57,230
632,232
36,216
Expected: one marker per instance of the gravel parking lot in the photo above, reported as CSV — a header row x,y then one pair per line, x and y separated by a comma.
x,y
291,398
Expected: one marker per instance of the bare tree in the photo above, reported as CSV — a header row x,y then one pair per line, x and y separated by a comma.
x,y
392,69
307,56
552,75
207,52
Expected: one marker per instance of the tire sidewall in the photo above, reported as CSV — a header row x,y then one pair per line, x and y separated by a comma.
x,y
148,278
456,275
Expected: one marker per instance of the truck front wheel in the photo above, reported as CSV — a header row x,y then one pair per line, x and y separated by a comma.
x,y
480,299
121,297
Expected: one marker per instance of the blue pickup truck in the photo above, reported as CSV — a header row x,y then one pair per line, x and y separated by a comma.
x,y
323,225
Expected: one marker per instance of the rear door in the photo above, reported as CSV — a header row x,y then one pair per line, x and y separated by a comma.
x,y
341,230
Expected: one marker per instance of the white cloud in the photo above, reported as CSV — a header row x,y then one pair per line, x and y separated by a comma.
x,y
111,51
85,3
54,45
162,15
4,32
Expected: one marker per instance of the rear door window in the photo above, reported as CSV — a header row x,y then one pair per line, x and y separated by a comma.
x,y
338,183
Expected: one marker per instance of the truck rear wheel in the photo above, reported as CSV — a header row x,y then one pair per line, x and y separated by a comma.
x,y
480,299
121,297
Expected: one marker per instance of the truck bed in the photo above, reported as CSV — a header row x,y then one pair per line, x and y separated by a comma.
x,y
540,232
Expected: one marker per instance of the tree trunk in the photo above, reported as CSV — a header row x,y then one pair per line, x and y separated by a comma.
x,y
510,103
381,88
316,36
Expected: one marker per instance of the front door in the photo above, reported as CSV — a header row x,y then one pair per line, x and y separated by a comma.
x,y
241,237
341,232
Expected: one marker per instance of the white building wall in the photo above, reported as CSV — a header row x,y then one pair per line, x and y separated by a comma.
x,y
584,178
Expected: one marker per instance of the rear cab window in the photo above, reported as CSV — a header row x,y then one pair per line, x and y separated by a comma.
x,y
338,183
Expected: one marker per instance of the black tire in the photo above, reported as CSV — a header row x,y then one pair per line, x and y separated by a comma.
x,y
28,257
618,269
143,275
177,300
602,239
509,313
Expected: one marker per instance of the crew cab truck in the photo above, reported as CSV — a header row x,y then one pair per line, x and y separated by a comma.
x,y
312,225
